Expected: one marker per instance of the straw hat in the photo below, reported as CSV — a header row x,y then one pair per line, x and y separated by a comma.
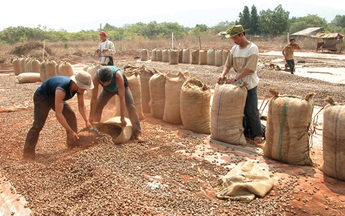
x,y
83,80
235,30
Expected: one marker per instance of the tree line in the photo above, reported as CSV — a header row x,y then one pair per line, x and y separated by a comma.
x,y
269,23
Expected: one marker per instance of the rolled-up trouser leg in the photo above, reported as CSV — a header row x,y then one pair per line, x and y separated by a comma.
x,y
41,111
132,112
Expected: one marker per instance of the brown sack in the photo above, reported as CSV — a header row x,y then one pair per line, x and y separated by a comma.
x,y
29,77
16,65
287,130
50,69
65,69
157,95
42,70
195,106
227,113
114,128
333,140
145,76
135,88
173,86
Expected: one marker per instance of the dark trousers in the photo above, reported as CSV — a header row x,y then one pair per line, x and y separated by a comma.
x,y
42,107
103,99
251,122
291,64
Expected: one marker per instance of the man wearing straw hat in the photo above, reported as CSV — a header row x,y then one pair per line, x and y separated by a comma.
x,y
243,59
53,94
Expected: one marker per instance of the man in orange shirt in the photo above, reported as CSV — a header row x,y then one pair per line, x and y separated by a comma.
x,y
288,54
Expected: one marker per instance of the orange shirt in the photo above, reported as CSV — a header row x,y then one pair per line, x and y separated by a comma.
x,y
289,50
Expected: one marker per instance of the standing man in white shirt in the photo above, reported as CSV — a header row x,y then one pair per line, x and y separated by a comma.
x,y
243,58
105,50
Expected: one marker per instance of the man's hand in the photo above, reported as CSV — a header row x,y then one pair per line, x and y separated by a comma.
x,y
123,121
221,79
88,124
230,81
72,136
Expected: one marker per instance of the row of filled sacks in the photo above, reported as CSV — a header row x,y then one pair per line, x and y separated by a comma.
x,y
180,99
203,57
41,71
289,129
185,100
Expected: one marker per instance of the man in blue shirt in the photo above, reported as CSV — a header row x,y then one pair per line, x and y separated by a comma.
x,y
53,94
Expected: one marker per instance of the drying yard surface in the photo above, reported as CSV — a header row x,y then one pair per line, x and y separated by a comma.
x,y
175,172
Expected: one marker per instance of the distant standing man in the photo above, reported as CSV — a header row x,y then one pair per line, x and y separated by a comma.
x,y
113,81
105,50
53,94
243,58
288,54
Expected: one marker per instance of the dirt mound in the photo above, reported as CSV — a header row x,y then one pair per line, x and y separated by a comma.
x,y
31,48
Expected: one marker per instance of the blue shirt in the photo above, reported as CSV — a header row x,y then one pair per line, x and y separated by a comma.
x,y
48,87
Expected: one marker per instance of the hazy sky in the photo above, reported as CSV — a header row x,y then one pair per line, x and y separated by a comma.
x,y
75,16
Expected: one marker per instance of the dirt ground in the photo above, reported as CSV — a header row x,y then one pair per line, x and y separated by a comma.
x,y
176,171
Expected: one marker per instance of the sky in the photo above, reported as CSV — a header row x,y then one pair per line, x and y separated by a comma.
x,y
74,16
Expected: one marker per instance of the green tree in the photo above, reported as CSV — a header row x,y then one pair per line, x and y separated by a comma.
x,y
298,24
13,35
244,17
169,27
274,22
339,21
254,20
199,29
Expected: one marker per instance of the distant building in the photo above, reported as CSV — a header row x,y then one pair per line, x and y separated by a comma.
x,y
329,41
308,32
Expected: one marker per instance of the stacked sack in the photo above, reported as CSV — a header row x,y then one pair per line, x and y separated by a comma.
x,y
333,139
287,132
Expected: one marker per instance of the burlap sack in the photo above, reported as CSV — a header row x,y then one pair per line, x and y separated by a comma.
x,y
157,95
29,77
135,88
145,75
42,70
227,112
50,68
195,106
173,85
333,140
16,66
244,182
287,131
65,69
114,128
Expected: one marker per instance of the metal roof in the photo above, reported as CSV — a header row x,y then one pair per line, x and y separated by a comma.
x,y
308,31
329,35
